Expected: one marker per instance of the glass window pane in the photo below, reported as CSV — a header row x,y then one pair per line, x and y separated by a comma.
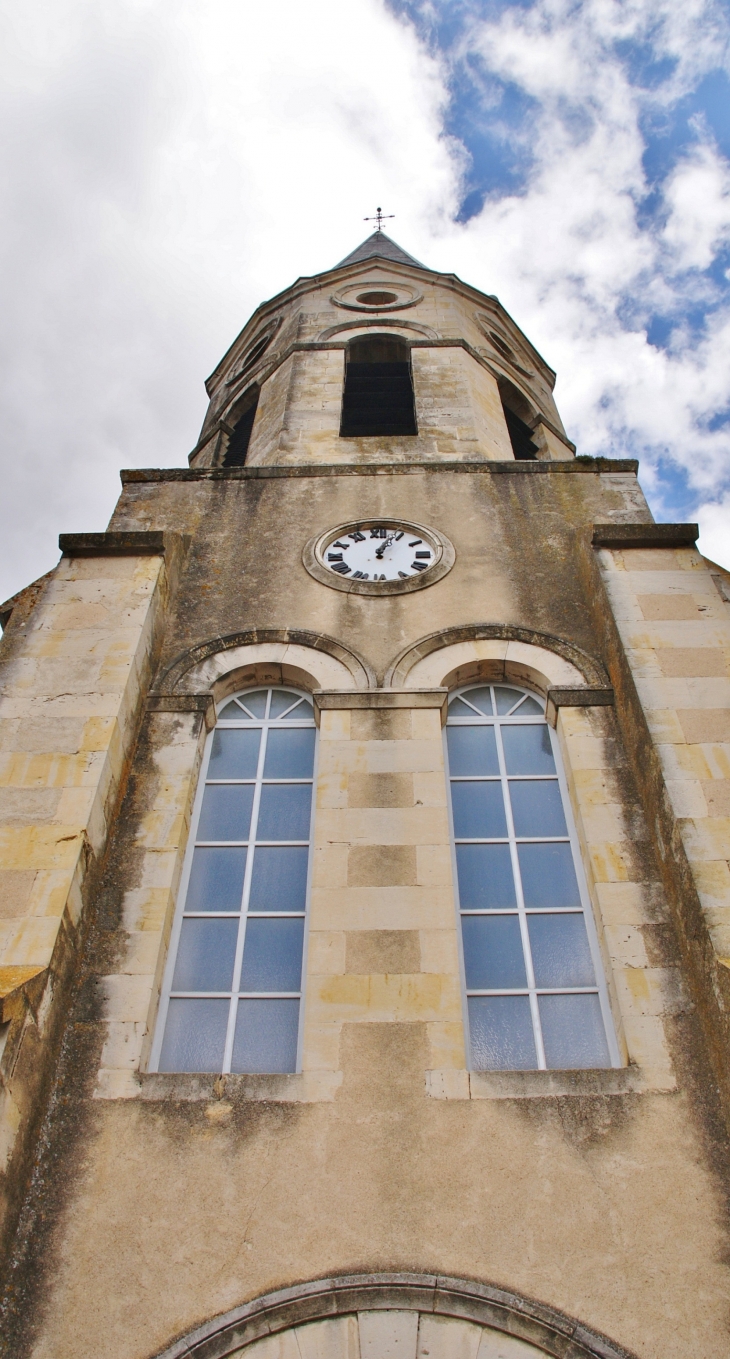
x,y
226,812
485,877
573,1032
195,1035
459,709
216,880
279,879
493,957
561,955
472,750
529,708
205,955
233,713
255,701
527,749
281,699
506,698
234,753
289,754
501,1033
266,1036
481,698
478,810
272,955
548,876
284,812
537,807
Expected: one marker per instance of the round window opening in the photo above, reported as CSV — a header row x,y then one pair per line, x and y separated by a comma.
x,y
377,299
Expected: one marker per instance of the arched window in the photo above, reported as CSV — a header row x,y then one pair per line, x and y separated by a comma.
x,y
232,992
378,395
536,994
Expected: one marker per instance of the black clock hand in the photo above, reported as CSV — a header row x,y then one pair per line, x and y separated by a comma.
x,y
380,550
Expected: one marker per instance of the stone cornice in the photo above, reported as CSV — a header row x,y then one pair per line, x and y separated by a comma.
x,y
645,535
130,476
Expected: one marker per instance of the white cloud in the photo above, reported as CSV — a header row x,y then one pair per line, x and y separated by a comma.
x,y
570,257
698,198
714,522
170,165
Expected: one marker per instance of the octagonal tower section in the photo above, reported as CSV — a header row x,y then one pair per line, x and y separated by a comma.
x,y
380,360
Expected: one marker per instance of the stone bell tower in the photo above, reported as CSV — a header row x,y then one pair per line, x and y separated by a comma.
x,y
364,890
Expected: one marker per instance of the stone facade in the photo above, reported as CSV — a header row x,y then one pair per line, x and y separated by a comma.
x,y
384,1199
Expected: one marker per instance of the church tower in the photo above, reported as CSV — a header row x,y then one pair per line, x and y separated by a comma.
x,y
364,888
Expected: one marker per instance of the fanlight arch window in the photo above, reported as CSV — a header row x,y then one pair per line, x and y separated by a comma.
x,y
232,994
535,991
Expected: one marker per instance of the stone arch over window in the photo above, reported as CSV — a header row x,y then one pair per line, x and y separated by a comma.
x,y
494,651
265,656
363,1316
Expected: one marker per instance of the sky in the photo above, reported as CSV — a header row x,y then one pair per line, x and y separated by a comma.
x,y
169,164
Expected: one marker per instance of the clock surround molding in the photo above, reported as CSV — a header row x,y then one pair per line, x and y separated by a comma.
x,y
313,550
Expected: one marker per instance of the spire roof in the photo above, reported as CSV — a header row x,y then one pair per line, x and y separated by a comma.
x,y
379,245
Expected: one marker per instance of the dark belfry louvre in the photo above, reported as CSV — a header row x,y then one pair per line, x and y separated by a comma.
x,y
378,396
520,435
235,454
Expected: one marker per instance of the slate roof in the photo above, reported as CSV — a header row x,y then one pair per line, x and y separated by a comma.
x,y
379,245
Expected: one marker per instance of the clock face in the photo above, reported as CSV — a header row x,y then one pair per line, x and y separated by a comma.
x,y
379,556
380,552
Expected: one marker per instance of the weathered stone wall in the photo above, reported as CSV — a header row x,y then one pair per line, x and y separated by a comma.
x,y
75,670
161,1200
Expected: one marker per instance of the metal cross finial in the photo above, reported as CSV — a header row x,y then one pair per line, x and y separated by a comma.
x,y
379,217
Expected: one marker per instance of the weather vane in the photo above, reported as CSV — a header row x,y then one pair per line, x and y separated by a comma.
x,y
379,217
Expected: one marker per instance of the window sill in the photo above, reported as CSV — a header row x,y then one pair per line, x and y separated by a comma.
x,y
627,1080
301,1087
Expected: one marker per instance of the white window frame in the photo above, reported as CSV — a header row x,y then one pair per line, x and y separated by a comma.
x,y
264,725
533,991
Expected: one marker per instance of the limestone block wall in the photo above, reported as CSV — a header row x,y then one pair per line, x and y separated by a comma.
x,y
71,689
674,627
382,931
458,405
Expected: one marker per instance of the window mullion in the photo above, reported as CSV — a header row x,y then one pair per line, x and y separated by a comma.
x,y
240,941
521,913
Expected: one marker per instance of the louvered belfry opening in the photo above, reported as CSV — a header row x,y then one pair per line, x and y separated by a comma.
x,y
520,435
378,396
516,413
235,454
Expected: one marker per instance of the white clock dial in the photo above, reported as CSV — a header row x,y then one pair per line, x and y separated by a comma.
x,y
378,557
380,552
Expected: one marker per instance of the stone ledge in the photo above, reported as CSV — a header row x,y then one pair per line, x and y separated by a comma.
x,y
645,535
589,697
540,467
132,543
588,1083
19,983
300,1087
379,698
180,703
